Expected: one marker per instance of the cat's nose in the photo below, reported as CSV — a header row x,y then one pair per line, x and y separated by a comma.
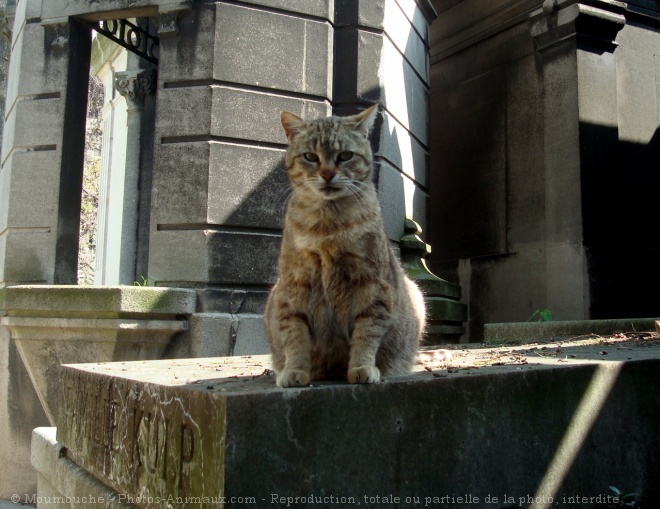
x,y
327,175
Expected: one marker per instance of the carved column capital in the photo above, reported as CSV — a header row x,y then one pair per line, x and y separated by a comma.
x,y
135,86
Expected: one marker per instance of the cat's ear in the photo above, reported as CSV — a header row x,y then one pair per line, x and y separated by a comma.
x,y
365,119
291,123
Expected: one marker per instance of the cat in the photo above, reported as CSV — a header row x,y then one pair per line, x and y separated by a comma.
x,y
342,306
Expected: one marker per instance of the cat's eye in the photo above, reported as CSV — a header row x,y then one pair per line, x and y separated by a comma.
x,y
342,157
311,157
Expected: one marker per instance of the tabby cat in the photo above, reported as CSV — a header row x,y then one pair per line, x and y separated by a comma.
x,y
342,307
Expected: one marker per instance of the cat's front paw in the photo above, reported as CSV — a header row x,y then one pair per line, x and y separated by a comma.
x,y
293,378
364,375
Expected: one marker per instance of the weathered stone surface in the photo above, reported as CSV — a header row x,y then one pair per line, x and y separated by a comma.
x,y
382,75
557,330
182,257
243,257
255,115
109,301
27,255
400,198
248,186
224,184
143,445
402,150
321,8
31,205
297,49
178,257
54,467
198,428
52,325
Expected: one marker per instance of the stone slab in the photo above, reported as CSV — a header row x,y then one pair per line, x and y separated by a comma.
x,y
551,419
534,331
101,301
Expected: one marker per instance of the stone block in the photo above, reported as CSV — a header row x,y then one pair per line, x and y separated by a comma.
x,y
218,441
42,66
399,198
211,335
178,257
170,184
390,15
243,257
636,94
224,184
46,132
222,334
52,325
250,336
298,51
119,8
215,256
229,112
189,56
31,200
402,150
320,8
248,186
235,300
381,74
109,301
55,471
29,255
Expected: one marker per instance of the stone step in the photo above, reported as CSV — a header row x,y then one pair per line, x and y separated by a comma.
x,y
469,426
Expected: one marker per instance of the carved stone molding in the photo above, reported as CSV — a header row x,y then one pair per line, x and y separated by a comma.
x,y
135,86
594,23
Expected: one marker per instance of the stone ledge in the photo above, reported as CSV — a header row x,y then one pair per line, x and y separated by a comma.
x,y
534,331
522,421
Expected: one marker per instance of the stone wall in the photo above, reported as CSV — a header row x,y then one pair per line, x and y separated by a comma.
x,y
543,132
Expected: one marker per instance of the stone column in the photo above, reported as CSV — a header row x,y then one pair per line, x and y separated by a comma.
x,y
576,44
40,188
384,58
226,71
134,86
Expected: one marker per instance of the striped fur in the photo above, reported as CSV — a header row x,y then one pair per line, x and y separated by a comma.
x,y
342,307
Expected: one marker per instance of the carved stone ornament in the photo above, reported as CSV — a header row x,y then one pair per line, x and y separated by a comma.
x,y
61,40
168,21
134,86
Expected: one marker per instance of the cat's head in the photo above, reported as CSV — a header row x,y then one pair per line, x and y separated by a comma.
x,y
330,157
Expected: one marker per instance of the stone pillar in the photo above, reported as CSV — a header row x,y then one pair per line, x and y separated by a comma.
x,y
384,58
40,187
541,111
219,185
134,86
576,44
